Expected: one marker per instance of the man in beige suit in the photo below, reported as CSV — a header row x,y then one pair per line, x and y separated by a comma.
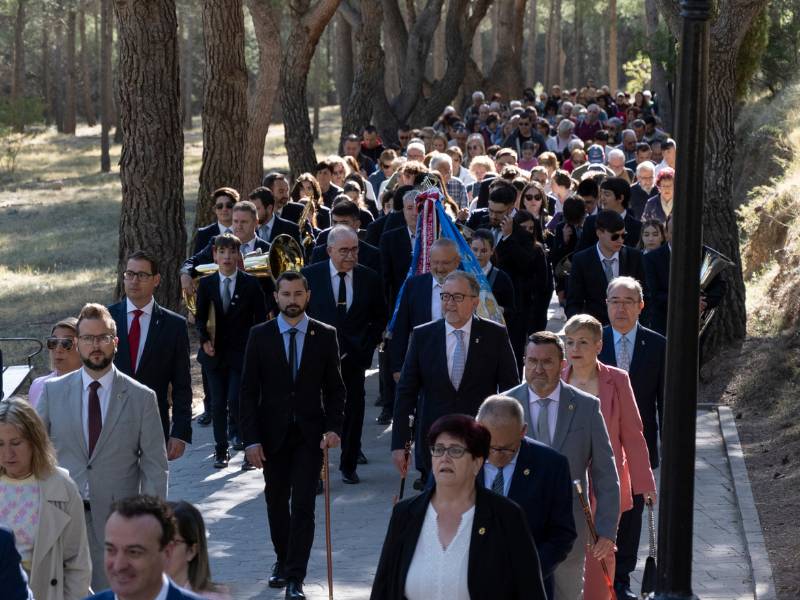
x,y
106,429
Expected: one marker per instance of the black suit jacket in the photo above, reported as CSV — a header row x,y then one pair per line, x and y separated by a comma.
x,y
164,362
503,563
656,265
525,262
204,236
269,400
368,256
395,249
542,486
490,368
633,231
283,226
646,373
248,308
479,219
502,289
414,309
639,198
13,581
360,331
586,290
291,211
375,230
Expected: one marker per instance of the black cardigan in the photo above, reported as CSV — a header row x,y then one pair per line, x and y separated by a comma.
x,y
502,557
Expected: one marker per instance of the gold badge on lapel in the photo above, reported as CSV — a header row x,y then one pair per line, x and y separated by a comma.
x,y
526,472
571,407
482,530
311,332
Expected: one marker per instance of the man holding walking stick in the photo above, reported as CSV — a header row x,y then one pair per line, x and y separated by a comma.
x,y
290,363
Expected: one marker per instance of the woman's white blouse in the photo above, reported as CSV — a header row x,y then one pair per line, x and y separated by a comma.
x,y
436,573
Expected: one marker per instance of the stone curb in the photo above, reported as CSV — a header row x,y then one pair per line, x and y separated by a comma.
x,y
763,584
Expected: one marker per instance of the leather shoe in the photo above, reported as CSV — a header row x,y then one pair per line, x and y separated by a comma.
x,y
385,418
294,590
277,580
351,477
221,459
247,465
623,591
204,420
362,459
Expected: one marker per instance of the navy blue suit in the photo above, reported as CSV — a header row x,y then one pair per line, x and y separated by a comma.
x,y
415,309
283,226
633,231
164,362
395,249
204,236
174,593
13,583
542,486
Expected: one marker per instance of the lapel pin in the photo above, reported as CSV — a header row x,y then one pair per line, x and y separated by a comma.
x,y
310,332
526,472
482,531
571,407
477,340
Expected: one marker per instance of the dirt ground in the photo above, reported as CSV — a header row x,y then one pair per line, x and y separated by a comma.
x,y
761,382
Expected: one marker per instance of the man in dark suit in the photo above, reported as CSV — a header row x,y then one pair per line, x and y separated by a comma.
x,y
532,475
594,267
477,362
13,581
644,188
348,297
291,408
154,349
641,352
278,185
238,304
324,172
224,200
271,225
615,194
345,212
396,248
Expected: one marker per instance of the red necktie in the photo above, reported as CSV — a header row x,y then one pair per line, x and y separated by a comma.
x,y
95,416
133,338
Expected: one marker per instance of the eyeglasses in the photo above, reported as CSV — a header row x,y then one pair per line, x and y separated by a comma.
x,y
65,343
140,275
616,236
452,451
530,197
104,339
624,303
221,205
345,251
507,451
457,298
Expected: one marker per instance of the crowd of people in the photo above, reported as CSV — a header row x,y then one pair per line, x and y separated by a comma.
x,y
568,194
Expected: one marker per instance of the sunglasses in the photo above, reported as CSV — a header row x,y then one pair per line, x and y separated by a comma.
x,y
389,166
616,236
65,343
222,205
530,197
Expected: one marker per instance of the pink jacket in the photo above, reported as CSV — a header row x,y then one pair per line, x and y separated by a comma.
x,y
618,405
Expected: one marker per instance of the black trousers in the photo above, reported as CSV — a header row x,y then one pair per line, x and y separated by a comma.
x,y
353,376
628,534
387,383
206,392
224,383
291,476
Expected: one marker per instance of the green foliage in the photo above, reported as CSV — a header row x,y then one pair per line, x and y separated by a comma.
x,y
20,112
748,60
638,73
781,59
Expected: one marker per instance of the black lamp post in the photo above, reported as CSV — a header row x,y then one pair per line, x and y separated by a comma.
x,y
676,506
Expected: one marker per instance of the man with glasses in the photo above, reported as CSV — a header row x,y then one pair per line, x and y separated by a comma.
x,y
641,352
404,135
64,358
349,297
106,430
224,199
453,364
532,475
346,212
594,267
385,168
154,349
525,133
644,188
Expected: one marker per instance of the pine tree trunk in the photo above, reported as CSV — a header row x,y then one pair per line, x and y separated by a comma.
x,y
224,103
151,167
658,79
86,80
553,66
505,75
613,67
532,37
344,61
577,50
106,83
70,94
188,21
18,81
46,92
477,48
437,64
57,76
261,101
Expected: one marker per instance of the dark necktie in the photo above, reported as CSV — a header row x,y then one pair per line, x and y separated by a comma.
x,y
95,416
293,352
499,483
341,300
134,334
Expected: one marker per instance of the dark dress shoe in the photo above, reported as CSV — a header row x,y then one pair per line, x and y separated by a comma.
x,y
351,477
277,580
294,590
247,465
237,443
221,460
385,418
204,420
320,487
623,591
362,459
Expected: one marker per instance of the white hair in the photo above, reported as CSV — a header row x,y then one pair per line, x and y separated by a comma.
x,y
615,153
440,157
415,146
628,283
566,125
478,95
645,165
628,133
340,232
576,143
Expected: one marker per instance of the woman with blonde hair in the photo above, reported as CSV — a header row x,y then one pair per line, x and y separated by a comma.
x,y
41,504
476,146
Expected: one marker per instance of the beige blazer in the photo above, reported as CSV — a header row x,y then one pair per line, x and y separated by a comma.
x,y
61,568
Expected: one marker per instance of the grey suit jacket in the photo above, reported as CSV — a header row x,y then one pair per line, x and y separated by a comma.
x,y
130,456
582,437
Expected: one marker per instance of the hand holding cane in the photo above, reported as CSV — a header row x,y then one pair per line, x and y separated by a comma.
x,y
587,512
328,545
407,458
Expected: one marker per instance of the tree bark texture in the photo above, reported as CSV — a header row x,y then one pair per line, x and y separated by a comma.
x,y
505,75
530,67
187,27
18,80
344,60
370,64
57,76
577,50
658,75
106,83
307,25
86,79
47,93
224,103
151,167
731,22
477,48
553,60
613,66
70,93
261,98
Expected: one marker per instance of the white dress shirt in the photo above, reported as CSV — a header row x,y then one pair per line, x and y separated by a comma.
x,y
224,228
232,284
436,301
144,324
162,594
490,472
348,284
614,258
451,340
552,410
247,247
437,573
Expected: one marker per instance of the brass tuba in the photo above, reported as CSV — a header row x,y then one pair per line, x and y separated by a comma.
x,y
713,264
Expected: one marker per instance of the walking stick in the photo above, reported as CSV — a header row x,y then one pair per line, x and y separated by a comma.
x,y
407,456
328,547
587,512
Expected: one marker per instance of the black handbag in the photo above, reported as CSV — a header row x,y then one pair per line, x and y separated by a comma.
x,y
649,576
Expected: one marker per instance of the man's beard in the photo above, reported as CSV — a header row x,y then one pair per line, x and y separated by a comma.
x,y
92,366
292,310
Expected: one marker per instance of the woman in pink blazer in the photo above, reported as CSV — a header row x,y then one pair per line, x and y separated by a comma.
x,y
584,340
